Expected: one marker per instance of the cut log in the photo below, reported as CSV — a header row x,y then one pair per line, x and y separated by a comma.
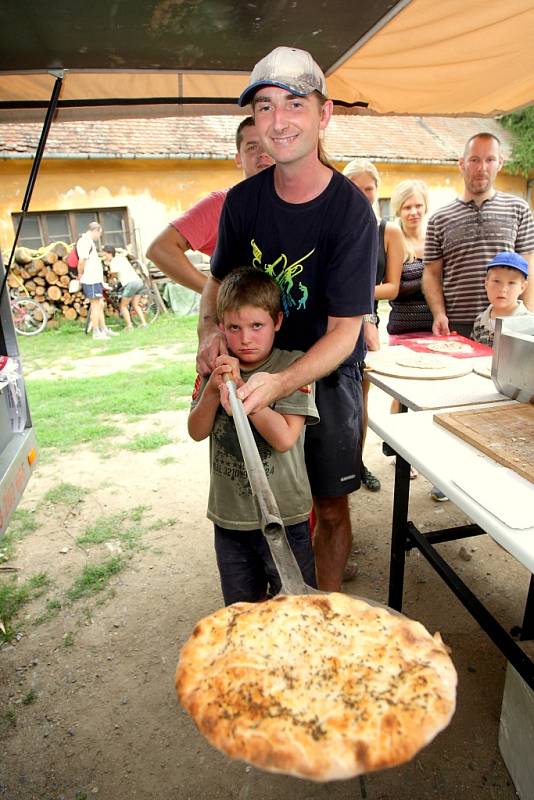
x,y
51,277
67,299
13,282
60,268
69,312
39,281
30,286
60,249
32,269
49,258
39,263
24,274
53,292
23,255
39,291
64,280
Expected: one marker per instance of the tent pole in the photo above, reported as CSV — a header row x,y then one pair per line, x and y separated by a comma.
x,y
35,166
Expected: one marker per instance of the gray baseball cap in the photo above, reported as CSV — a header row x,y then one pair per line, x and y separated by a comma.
x,y
287,68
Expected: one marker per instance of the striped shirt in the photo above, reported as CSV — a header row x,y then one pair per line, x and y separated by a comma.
x,y
467,237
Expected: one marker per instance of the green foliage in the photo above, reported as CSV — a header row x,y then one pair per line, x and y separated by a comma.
x,y
521,125
30,697
13,596
69,412
21,524
65,494
148,441
64,345
95,577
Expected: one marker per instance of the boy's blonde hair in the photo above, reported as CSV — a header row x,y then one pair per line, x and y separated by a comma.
x,y
246,286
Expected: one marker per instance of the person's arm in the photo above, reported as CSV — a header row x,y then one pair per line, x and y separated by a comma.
x,y
81,266
394,246
202,415
433,291
211,340
339,341
281,431
528,295
167,251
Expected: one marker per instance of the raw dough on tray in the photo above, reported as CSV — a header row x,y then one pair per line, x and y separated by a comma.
x,y
421,361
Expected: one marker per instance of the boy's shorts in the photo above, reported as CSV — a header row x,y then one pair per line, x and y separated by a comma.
x,y
132,288
92,291
333,446
246,566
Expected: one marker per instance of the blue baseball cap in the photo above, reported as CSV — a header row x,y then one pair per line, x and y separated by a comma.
x,y
510,260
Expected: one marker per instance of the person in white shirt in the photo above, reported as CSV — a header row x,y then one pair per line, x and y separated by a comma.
x,y
91,273
132,285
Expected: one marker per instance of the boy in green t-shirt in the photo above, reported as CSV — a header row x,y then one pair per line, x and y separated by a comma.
x,y
249,313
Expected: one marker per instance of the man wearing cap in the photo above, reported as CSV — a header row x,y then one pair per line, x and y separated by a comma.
x,y
464,235
196,229
315,233
506,279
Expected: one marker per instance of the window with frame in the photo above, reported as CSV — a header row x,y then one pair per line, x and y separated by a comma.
x,y
384,204
41,228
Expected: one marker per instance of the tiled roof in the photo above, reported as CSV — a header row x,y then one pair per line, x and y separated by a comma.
x,y
413,139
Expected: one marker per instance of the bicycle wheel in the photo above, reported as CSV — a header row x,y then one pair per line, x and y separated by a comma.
x,y
29,317
150,308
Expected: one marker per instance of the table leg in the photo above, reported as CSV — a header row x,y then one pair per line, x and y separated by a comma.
x,y
399,532
527,629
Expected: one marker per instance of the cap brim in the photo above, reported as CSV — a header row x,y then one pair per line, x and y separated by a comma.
x,y
251,90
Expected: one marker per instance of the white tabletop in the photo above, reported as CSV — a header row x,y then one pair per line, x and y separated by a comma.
x,y
437,453
419,394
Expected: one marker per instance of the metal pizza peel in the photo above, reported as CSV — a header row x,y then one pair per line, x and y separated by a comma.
x,y
268,513
269,518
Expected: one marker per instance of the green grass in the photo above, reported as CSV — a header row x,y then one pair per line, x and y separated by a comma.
x,y
95,577
73,411
167,460
21,524
29,698
68,640
65,494
111,528
13,596
68,341
53,607
148,441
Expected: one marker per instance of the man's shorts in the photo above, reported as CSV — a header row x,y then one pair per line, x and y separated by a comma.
x,y
92,290
132,288
333,446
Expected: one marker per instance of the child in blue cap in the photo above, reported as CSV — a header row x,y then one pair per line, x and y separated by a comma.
x,y
506,280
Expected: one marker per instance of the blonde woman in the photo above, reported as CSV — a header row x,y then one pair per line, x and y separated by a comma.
x,y
409,311
364,175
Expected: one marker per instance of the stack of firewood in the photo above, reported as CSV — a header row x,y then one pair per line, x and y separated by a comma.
x,y
45,275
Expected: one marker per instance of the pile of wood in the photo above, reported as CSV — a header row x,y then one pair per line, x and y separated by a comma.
x,y
46,277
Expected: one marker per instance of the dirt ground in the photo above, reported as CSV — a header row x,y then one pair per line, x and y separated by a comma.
x,y
87,697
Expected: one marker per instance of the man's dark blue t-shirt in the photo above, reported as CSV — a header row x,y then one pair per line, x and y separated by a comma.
x,y
322,253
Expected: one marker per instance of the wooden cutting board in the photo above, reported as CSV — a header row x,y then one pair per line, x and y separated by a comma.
x,y
505,433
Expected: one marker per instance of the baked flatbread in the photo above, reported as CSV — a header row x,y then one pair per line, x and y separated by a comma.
x,y
321,687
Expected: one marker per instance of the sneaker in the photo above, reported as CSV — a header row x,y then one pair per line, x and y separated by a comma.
x,y
100,335
369,480
437,495
110,333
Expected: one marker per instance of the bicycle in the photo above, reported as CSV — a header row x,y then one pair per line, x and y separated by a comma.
x,y
29,316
